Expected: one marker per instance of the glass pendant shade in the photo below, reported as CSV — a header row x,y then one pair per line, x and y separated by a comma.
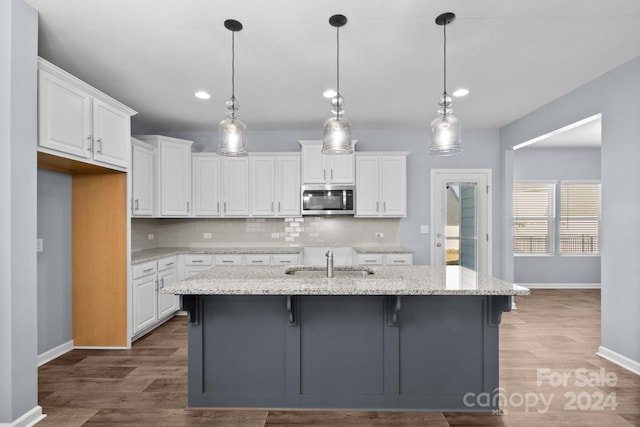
x,y
446,135
337,131
232,133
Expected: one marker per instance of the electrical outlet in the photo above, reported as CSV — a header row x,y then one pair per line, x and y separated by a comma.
x,y
379,235
206,235
151,236
424,229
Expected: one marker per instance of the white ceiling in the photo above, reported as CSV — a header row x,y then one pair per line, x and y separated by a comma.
x,y
514,56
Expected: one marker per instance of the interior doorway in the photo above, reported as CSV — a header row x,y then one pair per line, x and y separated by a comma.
x,y
461,218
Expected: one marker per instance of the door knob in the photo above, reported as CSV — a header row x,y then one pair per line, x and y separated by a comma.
x,y
438,244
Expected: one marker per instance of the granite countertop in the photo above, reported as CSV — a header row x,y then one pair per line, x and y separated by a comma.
x,y
406,280
154,254
381,250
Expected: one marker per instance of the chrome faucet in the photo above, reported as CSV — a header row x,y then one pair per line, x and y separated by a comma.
x,y
329,256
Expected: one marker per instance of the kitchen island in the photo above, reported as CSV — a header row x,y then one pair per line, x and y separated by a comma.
x,y
410,338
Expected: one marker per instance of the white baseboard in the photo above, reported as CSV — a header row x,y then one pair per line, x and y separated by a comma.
x,y
560,285
618,359
58,351
29,419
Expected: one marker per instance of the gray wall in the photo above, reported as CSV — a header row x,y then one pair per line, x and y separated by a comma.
x,y
54,263
616,95
18,281
556,164
481,150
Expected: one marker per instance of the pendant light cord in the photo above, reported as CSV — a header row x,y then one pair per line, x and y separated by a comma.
x,y
233,67
445,60
338,72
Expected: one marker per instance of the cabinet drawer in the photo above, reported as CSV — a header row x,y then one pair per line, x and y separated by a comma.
x,y
257,259
398,259
166,263
193,259
229,259
145,269
194,269
286,259
369,259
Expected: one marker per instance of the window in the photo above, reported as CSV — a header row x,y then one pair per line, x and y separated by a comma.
x,y
579,218
534,210
576,223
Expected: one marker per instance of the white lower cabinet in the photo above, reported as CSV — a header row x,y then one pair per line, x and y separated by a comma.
x,y
150,306
383,259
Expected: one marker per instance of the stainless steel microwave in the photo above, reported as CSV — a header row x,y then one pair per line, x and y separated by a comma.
x,y
329,199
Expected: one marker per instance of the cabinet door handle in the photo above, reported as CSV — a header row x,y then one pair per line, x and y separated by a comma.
x,y
187,207
89,147
162,285
225,207
99,149
331,174
377,207
157,283
136,204
384,207
217,207
271,207
279,210
324,174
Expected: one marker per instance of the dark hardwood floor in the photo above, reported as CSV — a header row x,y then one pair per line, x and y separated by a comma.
x,y
551,334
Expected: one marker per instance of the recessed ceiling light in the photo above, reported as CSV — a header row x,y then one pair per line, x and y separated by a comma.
x,y
461,92
202,95
329,93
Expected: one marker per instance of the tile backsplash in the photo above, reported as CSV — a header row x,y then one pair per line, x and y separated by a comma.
x,y
263,232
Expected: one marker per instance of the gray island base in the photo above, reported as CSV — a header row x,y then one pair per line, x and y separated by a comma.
x,y
341,342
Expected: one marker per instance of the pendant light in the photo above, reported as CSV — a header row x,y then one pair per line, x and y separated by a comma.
x,y
337,129
445,129
233,133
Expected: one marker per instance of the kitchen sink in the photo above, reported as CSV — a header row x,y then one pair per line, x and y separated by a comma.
x,y
340,271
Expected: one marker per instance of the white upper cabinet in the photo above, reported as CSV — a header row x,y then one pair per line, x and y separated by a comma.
x,y
263,186
142,178
173,175
79,122
381,185
220,185
288,185
275,185
318,168
206,185
235,186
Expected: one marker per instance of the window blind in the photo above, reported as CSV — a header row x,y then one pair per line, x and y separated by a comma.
x,y
579,218
534,218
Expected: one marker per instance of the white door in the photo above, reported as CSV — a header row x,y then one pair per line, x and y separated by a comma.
x,y
235,182
144,302
393,188
111,134
461,218
288,186
262,186
142,174
206,185
175,179
340,168
64,114
367,186
167,303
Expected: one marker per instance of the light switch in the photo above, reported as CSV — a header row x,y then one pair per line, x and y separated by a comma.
x,y
151,236
206,235
40,245
424,229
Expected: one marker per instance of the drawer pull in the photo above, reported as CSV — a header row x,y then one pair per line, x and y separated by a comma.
x,y
399,261
146,270
285,261
169,264
257,261
197,260
369,260
227,261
